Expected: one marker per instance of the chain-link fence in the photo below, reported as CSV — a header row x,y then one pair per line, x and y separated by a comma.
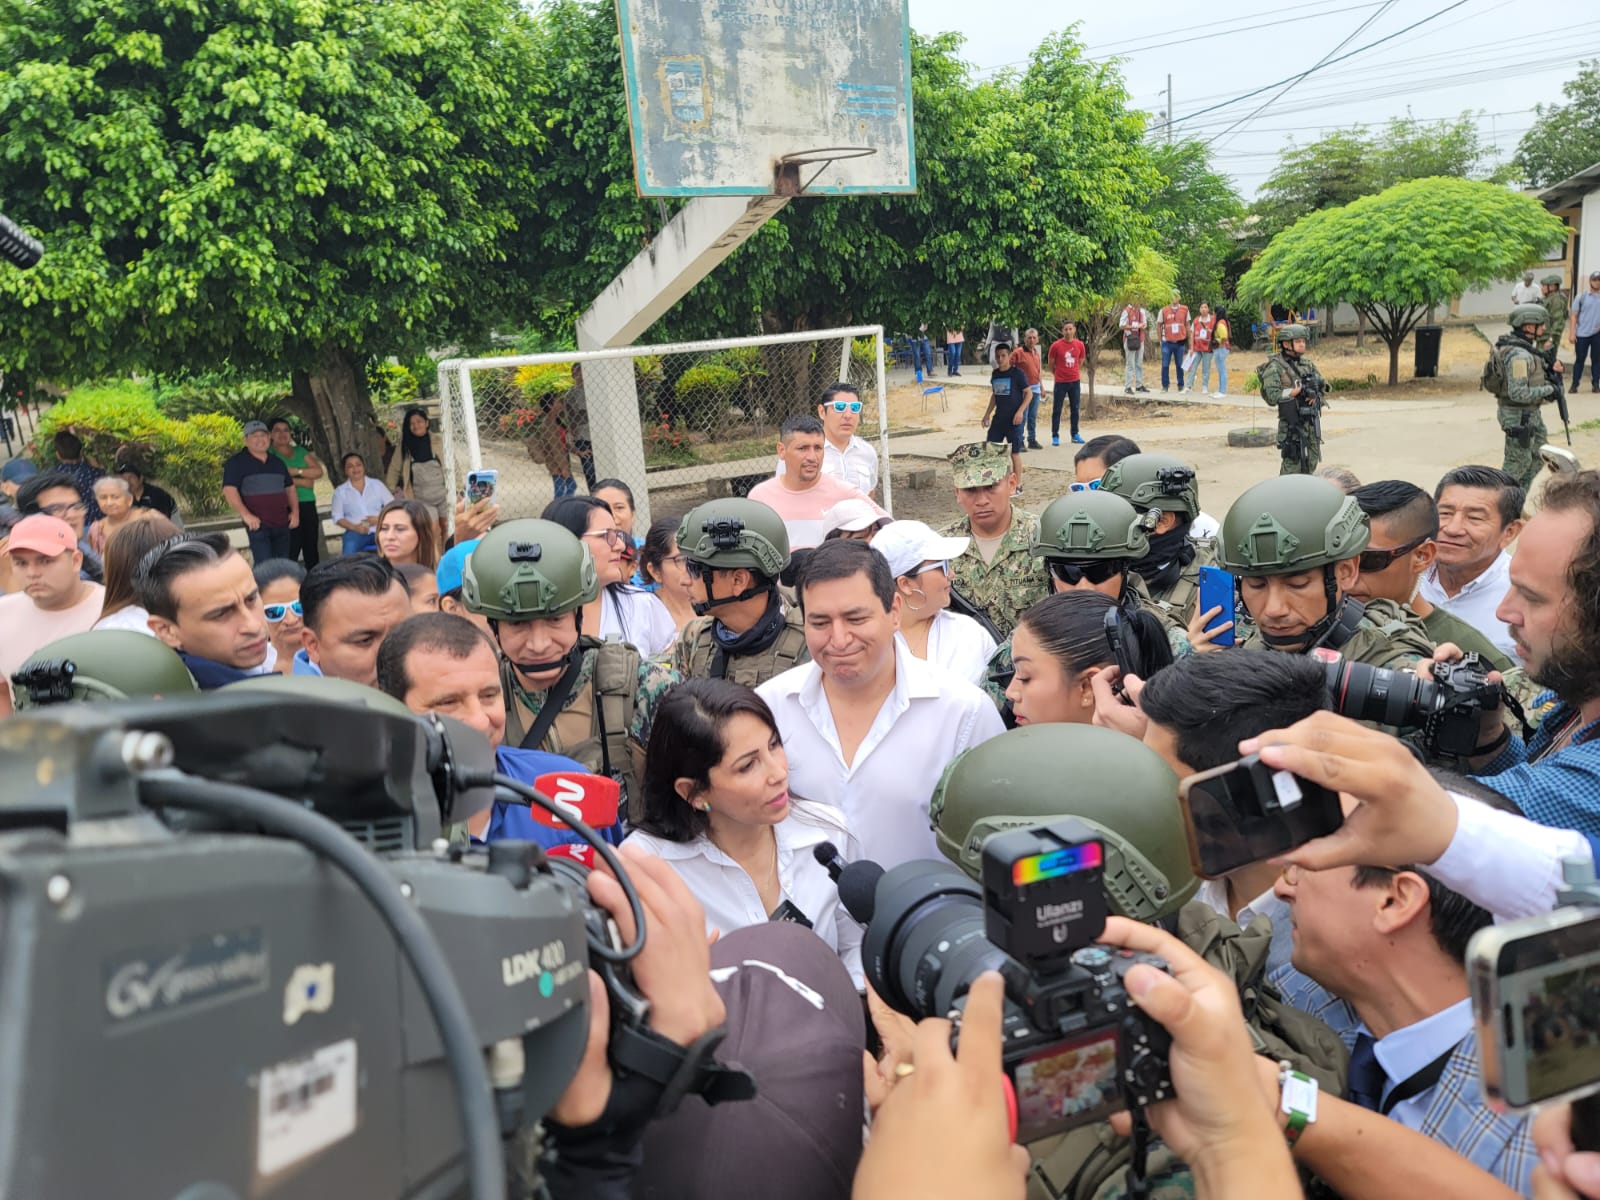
x,y
677,423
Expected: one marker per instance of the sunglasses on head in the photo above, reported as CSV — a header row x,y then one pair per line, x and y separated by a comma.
x,y
1379,560
276,612
847,406
1092,486
1074,573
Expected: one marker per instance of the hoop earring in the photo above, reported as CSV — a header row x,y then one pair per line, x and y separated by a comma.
x,y
915,607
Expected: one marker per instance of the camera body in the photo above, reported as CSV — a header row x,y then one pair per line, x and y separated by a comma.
x,y
1446,709
1075,1047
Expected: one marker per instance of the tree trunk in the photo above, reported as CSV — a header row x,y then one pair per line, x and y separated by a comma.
x,y
334,402
788,386
1394,360
1361,329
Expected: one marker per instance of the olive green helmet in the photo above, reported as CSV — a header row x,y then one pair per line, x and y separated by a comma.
x,y
1291,524
735,532
1288,333
525,570
1551,280
102,664
1528,314
1156,481
1089,525
322,687
1117,785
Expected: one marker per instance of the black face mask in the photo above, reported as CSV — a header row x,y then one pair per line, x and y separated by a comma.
x,y
1170,553
755,639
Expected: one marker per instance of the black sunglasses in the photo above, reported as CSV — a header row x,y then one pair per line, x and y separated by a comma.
x,y
1372,561
1095,571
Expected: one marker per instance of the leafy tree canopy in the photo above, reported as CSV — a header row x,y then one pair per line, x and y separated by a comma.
x,y
1564,138
1398,253
1192,211
1148,282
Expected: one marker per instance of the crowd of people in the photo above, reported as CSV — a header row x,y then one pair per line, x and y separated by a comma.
x,y
763,674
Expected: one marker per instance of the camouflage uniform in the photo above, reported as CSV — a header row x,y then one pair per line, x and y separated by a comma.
x,y
1388,636
1555,306
1527,384
694,653
1278,376
1004,587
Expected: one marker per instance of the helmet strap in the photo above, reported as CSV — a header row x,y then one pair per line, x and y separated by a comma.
x,y
543,668
712,600
1333,630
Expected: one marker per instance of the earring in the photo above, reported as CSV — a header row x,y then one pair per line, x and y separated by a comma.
x,y
705,806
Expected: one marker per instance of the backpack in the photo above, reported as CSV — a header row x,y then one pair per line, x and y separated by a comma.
x,y
1493,379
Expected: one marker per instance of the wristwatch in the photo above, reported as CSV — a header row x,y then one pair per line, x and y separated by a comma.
x,y
1299,1100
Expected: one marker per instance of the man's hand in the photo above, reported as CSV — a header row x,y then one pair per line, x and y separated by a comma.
x,y
1558,367
1202,639
590,1089
898,1033
1563,1173
1402,814
942,1133
1021,413
252,522
475,520
1110,711
1491,721
294,518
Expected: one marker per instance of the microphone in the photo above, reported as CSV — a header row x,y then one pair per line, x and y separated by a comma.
x,y
857,881
17,247
579,852
593,799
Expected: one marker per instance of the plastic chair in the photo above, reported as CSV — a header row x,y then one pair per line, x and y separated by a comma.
x,y
944,402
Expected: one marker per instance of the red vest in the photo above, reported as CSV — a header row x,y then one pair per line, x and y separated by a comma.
x,y
1202,333
1174,323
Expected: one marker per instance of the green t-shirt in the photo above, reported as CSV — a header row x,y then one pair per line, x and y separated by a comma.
x,y
296,461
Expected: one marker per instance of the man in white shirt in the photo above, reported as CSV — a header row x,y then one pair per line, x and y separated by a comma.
x,y
1480,515
846,457
869,728
801,492
53,601
1526,292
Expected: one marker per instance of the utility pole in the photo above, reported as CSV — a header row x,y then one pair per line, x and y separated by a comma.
x,y
1172,110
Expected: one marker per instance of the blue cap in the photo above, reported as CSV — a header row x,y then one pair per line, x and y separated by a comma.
x,y
453,564
17,470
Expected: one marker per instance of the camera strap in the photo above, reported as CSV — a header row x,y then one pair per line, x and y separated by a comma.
x,y
679,1070
1418,1082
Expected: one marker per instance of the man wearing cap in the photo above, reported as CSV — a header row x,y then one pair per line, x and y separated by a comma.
x,y
53,601
1585,333
1555,304
846,457
995,572
257,486
1526,292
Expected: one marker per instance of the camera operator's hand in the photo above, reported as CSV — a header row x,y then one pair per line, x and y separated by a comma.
x,y
1402,813
1492,721
1110,710
474,520
943,1133
898,1033
1221,1119
1201,638
1563,1173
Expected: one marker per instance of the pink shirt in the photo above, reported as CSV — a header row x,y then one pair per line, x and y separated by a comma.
x,y
803,512
29,628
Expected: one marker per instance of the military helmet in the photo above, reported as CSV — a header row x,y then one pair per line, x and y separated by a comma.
x,y
735,532
1118,786
1090,525
1288,333
1529,314
101,664
1291,524
1157,481
1552,280
321,687
529,569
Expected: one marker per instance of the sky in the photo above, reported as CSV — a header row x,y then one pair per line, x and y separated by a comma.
x,y
1494,58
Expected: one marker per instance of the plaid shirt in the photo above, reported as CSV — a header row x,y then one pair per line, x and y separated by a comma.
x,y
1456,1115
1562,790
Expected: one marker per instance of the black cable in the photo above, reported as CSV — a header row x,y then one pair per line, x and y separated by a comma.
x,y
480,1123
601,847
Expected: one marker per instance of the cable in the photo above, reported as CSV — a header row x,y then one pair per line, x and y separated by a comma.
x,y
480,1123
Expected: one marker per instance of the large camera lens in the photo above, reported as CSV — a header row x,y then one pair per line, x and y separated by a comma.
x,y
925,943
1366,693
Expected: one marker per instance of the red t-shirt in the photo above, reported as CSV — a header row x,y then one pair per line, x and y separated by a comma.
x,y
1175,323
1202,334
1066,359
1027,361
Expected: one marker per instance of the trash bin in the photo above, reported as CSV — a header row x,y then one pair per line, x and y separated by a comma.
x,y
1426,363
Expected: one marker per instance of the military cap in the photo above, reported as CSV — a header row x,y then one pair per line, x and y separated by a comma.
x,y
980,464
1553,280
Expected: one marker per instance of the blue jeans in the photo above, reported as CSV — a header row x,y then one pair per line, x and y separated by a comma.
x,y
922,354
1172,352
1221,354
1031,421
1202,370
952,357
357,543
267,542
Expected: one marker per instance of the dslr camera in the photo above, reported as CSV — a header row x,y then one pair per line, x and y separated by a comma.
x,y
1075,1047
1446,709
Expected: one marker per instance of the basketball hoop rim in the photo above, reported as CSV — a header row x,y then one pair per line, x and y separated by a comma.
x,y
827,154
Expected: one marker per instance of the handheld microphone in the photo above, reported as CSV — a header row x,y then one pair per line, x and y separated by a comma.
x,y
857,881
17,247
578,852
593,799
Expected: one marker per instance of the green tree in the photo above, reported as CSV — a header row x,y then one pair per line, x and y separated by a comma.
x,y
1398,253
1412,149
1148,282
1193,212
1564,138
266,184
1331,171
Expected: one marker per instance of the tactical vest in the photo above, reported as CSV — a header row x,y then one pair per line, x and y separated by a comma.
x,y
697,652
595,737
1179,600
1388,637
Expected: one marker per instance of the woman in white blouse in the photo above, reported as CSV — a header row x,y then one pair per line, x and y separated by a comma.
x,y
620,611
356,504
717,808
919,560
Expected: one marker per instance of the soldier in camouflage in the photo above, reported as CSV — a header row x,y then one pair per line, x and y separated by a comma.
x,y
996,572
1523,381
1284,537
566,692
1291,383
1169,488
1555,307
734,551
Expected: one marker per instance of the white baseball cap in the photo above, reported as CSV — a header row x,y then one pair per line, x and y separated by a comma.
x,y
909,544
852,516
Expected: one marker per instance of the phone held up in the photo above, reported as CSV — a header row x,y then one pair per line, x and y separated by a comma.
x,y
1217,591
482,485
1244,812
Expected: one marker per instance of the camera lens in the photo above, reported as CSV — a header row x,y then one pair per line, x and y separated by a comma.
x,y
925,944
1366,693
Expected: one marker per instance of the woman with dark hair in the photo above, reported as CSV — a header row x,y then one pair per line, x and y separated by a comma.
x,y
407,534
1057,648
662,566
716,807
279,580
619,497
619,611
356,505
422,585
125,549
416,471
1222,346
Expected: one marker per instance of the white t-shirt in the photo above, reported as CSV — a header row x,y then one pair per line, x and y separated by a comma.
x,y
25,627
729,896
637,618
960,645
132,618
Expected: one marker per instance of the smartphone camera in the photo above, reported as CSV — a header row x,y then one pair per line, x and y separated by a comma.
x,y
1243,812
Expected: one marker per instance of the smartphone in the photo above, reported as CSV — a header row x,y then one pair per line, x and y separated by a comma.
x,y
1126,648
1243,812
1536,1003
481,485
1217,590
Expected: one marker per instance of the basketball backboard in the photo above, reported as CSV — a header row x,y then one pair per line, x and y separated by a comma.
x,y
752,97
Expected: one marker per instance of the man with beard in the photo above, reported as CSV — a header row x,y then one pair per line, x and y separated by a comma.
x,y
1553,610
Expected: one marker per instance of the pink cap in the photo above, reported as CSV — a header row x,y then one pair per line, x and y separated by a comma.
x,y
44,534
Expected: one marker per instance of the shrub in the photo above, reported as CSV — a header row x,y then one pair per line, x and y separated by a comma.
x,y
540,383
667,443
1252,382
241,399
390,385
704,393
746,360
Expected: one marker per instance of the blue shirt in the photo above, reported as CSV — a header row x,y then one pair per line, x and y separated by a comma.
x,y
1586,314
515,821
303,664
1562,789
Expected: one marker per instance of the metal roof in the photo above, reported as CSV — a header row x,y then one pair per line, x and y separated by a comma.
x,y
1571,191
